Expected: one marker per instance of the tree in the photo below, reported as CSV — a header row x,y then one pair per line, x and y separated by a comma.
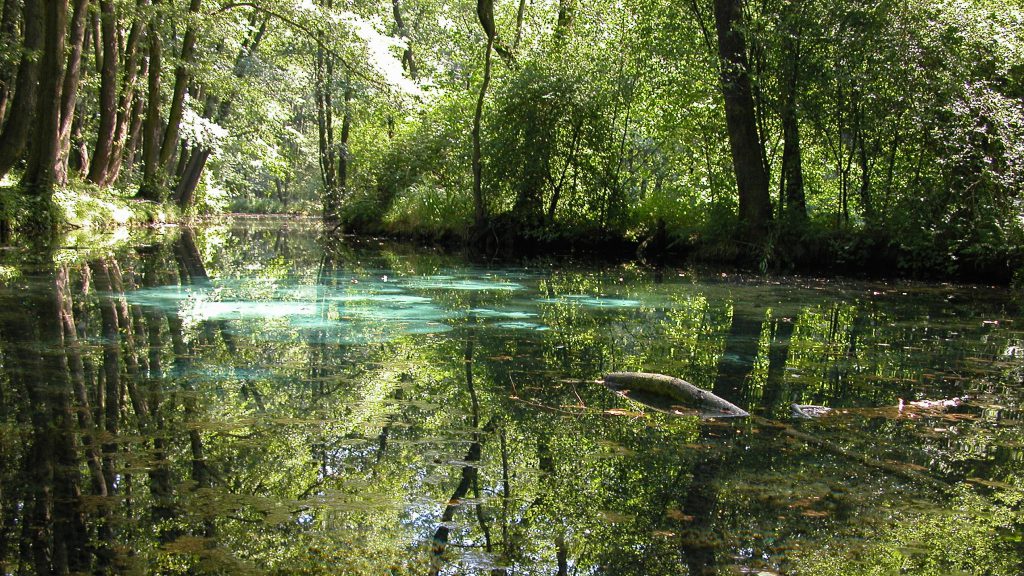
x,y
40,172
485,12
23,104
791,193
755,208
150,189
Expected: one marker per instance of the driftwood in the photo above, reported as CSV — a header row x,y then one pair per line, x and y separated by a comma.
x,y
677,389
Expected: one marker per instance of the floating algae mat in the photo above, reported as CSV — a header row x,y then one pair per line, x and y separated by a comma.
x,y
367,408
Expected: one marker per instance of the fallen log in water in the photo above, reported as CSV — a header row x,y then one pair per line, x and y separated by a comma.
x,y
677,389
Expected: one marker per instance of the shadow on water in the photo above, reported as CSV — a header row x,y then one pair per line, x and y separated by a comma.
x,y
244,400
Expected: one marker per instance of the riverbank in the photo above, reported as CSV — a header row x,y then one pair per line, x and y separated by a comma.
x,y
92,217
85,207
811,249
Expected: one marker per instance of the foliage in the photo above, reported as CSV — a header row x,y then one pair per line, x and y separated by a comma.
x,y
602,122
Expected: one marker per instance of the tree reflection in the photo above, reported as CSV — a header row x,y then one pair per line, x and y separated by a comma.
x,y
160,415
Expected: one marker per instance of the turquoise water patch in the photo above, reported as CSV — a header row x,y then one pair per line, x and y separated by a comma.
x,y
163,297
402,314
521,326
592,301
249,309
513,314
394,298
451,283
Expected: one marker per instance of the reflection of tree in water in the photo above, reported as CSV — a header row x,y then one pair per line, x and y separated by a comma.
x,y
78,412
468,476
142,440
53,534
699,541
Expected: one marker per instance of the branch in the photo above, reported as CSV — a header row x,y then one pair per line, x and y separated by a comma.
x,y
310,32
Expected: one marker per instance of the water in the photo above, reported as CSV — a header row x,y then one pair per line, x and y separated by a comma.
x,y
246,401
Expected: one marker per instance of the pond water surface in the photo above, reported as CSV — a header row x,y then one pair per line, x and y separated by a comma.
x,y
246,400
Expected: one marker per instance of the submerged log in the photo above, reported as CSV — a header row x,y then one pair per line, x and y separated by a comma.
x,y
677,389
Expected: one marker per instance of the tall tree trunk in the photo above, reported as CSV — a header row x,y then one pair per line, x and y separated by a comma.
x,y
69,91
795,207
866,202
863,162
39,177
107,95
126,158
182,75
325,127
792,162
519,24
755,209
485,11
94,41
150,188
408,58
343,156
8,37
185,192
126,112
14,137
323,75
78,159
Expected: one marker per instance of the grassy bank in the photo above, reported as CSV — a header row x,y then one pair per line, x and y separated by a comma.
x,y
82,206
89,222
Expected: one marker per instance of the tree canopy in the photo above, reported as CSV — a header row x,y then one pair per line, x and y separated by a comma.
x,y
779,132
